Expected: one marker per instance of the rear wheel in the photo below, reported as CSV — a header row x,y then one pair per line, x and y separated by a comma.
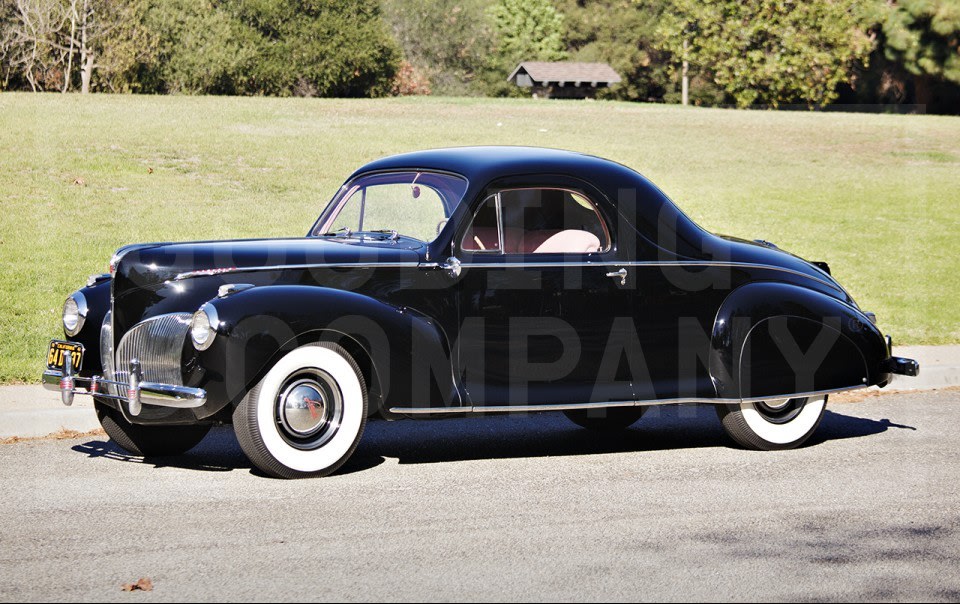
x,y
148,441
306,416
605,419
772,425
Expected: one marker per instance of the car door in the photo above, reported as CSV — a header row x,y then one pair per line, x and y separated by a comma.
x,y
542,303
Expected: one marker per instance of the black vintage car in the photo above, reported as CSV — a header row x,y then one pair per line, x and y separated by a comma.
x,y
462,281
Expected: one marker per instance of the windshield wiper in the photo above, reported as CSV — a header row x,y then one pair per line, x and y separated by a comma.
x,y
392,234
341,232
381,234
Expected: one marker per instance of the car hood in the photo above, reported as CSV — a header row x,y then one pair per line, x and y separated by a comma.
x,y
162,278
149,265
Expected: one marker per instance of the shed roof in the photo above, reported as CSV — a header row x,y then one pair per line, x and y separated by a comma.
x,y
566,71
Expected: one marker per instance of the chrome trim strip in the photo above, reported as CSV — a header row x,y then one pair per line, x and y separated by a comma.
x,y
544,407
499,208
284,267
428,410
577,406
645,263
756,399
533,265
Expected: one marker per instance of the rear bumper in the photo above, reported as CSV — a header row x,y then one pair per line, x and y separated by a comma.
x,y
901,366
898,365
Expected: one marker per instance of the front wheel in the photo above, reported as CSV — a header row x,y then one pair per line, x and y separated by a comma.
x,y
306,416
772,425
148,441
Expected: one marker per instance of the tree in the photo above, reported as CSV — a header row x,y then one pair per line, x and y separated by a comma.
x,y
122,46
200,48
624,35
769,51
33,48
448,41
924,37
526,30
41,41
108,35
317,47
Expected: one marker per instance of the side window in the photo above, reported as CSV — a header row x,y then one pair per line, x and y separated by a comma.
x,y
537,221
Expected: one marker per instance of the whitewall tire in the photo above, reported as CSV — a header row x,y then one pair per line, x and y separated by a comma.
x,y
773,425
307,414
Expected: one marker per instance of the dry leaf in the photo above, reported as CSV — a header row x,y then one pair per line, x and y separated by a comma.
x,y
142,584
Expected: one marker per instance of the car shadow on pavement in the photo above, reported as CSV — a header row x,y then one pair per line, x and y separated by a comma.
x,y
552,434
498,437
218,452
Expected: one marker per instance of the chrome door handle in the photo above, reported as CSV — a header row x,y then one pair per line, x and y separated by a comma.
x,y
622,274
452,267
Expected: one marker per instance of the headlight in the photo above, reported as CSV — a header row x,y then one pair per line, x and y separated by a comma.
x,y
74,313
203,328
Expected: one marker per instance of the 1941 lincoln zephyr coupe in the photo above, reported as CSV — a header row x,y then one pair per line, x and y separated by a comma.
x,y
462,281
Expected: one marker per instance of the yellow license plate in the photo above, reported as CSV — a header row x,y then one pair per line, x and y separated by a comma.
x,y
55,354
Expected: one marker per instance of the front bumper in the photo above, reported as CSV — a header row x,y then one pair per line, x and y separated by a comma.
x,y
135,392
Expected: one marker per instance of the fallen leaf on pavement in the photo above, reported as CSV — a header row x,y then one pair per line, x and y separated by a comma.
x,y
142,584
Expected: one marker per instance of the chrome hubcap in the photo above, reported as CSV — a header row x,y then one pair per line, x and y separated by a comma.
x,y
304,408
780,411
309,409
777,404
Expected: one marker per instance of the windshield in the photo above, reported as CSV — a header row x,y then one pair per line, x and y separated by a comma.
x,y
391,205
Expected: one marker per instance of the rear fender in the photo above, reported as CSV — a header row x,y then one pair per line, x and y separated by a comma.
x,y
775,339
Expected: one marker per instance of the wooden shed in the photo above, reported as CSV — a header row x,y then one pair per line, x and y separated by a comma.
x,y
563,79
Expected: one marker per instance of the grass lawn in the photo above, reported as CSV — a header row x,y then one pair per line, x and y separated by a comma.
x,y
876,196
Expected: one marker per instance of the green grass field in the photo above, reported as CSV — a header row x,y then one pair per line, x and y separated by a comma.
x,y
877,196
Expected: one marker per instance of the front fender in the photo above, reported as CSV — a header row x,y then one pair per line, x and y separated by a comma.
x,y
408,353
98,303
775,339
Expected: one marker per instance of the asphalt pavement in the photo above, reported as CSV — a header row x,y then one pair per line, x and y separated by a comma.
x,y
529,508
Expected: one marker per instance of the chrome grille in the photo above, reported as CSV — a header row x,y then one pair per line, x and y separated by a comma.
x,y
158,344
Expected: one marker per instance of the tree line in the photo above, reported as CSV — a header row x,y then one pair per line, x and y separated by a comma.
x,y
731,52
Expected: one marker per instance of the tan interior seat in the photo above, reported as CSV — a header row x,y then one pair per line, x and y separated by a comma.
x,y
570,241
486,238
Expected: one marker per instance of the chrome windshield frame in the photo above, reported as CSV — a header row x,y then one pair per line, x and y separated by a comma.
x,y
345,193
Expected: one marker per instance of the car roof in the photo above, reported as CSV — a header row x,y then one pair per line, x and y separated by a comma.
x,y
483,163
